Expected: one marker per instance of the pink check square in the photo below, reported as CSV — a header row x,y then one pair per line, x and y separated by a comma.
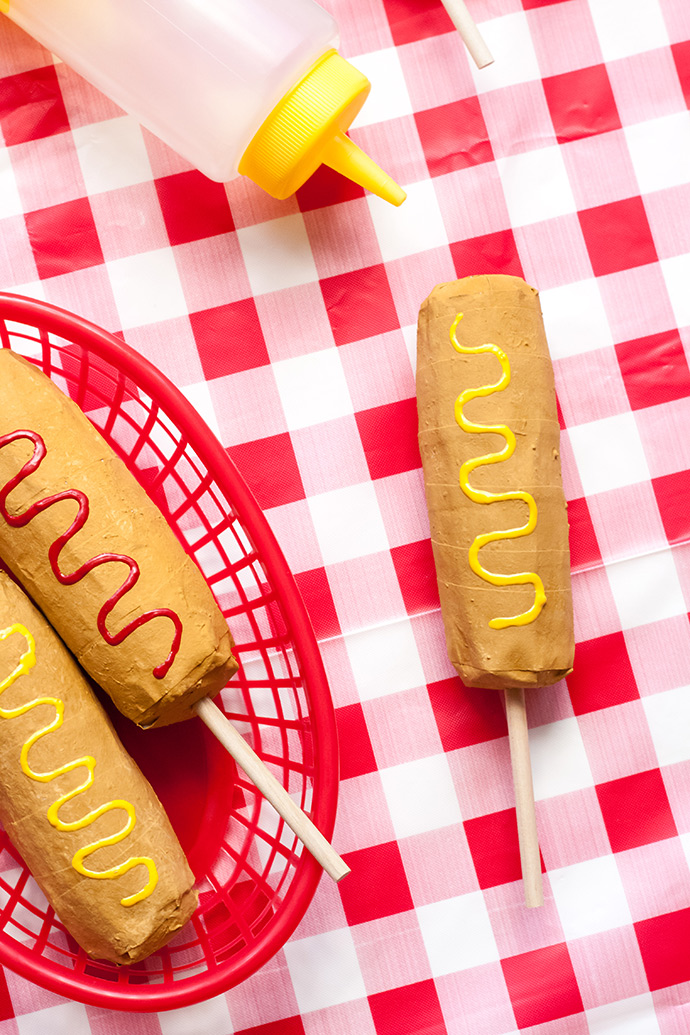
x,y
391,952
608,966
563,34
571,829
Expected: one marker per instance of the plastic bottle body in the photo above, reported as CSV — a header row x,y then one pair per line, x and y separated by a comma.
x,y
200,74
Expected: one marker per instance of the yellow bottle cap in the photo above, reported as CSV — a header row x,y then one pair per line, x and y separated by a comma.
x,y
307,129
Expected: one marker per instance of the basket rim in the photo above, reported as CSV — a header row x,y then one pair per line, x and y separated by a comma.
x,y
188,991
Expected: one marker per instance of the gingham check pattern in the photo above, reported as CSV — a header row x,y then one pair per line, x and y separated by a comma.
x,y
291,327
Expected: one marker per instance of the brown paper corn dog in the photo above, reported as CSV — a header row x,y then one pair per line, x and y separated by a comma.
x,y
101,561
489,441
86,821
99,558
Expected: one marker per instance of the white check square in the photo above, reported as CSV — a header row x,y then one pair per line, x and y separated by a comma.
x,y
623,32
313,388
421,796
71,1017
389,98
10,201
668,716
660,151
348,522
112,154
324,970
199,396
646,589
536,186
634,1016
409,333
212,1015
457,934
609,453
385,660
147,288
560,740
416,226
515,60
575,319
590,897
676,271
277,254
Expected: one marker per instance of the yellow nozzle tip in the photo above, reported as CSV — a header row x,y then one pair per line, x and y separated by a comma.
x,y
343,155
393,192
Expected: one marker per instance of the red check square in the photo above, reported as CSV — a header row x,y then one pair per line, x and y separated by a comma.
x,y
356,752
495,849
286,1026
193,207
602,675
318,600
559,413
465,716
229,338
44,116
410,21
270,469
665,947
672,493
389,438
491,253
529,5
617,236
655,369
411,1008
6,1008
377,885
636,810
542,985
414,566
454,136
327,187
359,304
581,103
681,56
584,548
64,238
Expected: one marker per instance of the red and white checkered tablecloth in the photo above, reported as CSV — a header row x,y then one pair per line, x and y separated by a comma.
x,y
291,327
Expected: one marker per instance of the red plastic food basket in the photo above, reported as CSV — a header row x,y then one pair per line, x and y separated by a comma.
x,y
255,879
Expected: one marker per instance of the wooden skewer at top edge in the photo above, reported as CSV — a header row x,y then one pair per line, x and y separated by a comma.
x,y
463,22
274,792
530,860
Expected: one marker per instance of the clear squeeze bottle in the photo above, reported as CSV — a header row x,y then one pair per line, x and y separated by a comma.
x,y
254,87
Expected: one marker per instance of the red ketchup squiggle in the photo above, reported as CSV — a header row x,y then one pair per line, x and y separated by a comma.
x,y
20,520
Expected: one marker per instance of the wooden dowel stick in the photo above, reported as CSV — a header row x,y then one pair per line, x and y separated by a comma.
x,y
462,20
274,792
524,796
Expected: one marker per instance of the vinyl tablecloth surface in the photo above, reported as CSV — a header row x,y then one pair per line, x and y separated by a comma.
x,y
291,327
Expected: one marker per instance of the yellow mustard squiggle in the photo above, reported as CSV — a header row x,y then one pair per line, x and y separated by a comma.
x,y
482,496
26,662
